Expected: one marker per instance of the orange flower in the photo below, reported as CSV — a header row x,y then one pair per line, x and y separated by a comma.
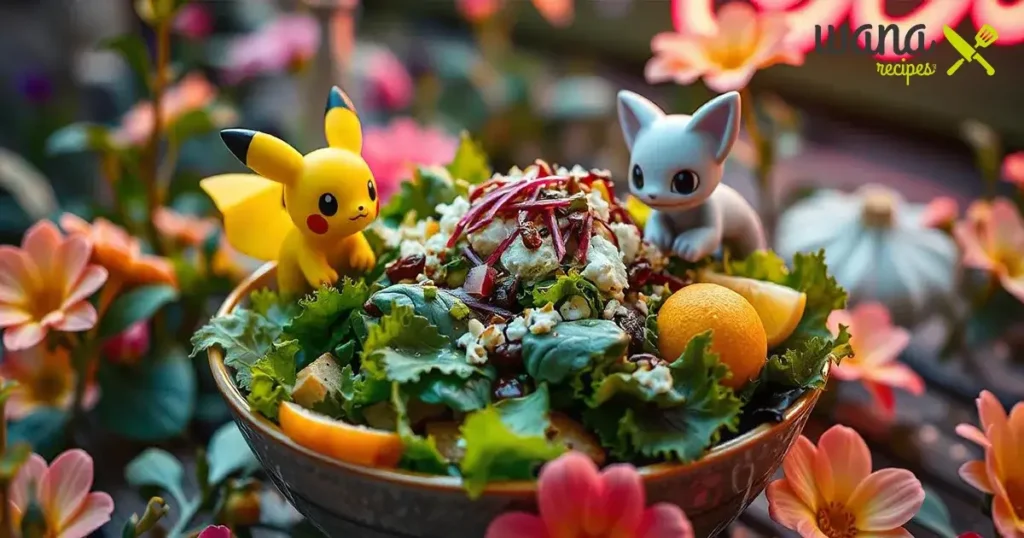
x,y
744,42
193,93
992,239
1013,168
45,285
120,253
876,344
45,379
1001,474
556,12
184,229
830,491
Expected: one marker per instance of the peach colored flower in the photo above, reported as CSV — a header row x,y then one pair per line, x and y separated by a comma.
x,y
556,12
991,239
830,491
62,492
940,213
194,92
877,344
575,499
120,253
184,229
45,285
744,42
45,379
286,43
392,152
215,531
1013,168
1001,473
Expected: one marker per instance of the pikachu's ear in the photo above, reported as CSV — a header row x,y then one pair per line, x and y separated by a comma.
x,y
341,124
264,154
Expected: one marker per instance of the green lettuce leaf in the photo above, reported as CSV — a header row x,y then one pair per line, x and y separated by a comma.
x,y
273,377
269,304
437,310
420,453
325,320
802,367
402,347
564,286
470,162
244,335
357,392
429,187
507,441
571,347
454,392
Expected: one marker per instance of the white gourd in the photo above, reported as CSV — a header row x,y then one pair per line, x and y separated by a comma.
x,y
877,248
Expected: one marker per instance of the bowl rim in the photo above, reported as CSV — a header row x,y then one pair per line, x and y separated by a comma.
x,y
516,488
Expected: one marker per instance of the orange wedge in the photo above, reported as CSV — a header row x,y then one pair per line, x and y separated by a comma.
x,y
346,442
780,308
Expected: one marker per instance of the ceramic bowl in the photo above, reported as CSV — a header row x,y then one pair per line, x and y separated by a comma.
x,y
345,500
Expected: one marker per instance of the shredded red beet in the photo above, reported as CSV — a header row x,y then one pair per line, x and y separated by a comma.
x,y
611,232
480,281
556,234
502,247
479,306
538,204
584,242
471,255
493,201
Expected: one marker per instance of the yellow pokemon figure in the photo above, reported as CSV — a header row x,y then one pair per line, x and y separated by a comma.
x,y
306,212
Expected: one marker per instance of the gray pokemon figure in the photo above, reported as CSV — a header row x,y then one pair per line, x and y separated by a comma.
x,y
676,164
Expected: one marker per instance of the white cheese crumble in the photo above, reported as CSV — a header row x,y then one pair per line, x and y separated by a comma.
x,y
597,204
613,308
486,240
605,268
409,248
530,265
480,340
654,256
629,240
476,354
492,337
575,308
451,214
641,304
516,329
541,321
658,379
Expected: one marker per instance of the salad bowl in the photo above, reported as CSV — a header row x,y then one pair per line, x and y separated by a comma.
x,y
343,499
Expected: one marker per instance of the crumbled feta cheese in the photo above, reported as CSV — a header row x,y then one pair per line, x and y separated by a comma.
x,y
476,354
598,205
605,268
641,304
476,328
658,379
575,308
530,265
516,329
654,256
629,240
658,291
613,308
486,240
541,321
451,214
410,248
389,235
424,280
492,337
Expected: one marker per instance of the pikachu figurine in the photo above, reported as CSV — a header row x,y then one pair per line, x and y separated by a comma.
x,y
307,212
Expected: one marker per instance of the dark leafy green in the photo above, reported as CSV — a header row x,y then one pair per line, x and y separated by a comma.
x,y
326,318
572,347
273,377
244,335
437,310
420,453
565,286
429,187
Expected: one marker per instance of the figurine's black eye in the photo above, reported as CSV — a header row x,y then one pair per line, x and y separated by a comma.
x,y
328,204
372,190
685,182
638,177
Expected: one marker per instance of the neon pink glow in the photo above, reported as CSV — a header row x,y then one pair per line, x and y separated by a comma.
x,y
801,20
1008,20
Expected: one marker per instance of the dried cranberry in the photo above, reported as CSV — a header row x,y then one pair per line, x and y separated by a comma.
x,y
639,274
633,322
508,388
504,295
531,235
508,357
407,268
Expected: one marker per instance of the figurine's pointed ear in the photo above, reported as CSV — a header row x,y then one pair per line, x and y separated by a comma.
x,y
635,113
341,124
719,119
264,154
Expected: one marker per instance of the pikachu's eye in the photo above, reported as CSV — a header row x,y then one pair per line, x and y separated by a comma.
x,y
372,190
328,204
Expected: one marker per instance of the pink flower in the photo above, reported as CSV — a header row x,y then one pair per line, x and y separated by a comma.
x,y
556,12
386,78
991,239
194,21
45,379
575,499
215,531
194,92
876,346
287,43
744,41
129,346
829,490
46,285
393,151
478,10
1013,168
62,492
940,213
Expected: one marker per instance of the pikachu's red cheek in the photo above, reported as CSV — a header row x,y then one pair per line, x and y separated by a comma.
x,y
316,224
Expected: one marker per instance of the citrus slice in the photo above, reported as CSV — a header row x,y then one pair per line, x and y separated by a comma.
x,y
780,308
346,442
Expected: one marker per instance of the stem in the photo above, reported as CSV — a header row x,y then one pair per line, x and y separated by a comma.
x,y
151,169
166,173
762,149
5,508
81,361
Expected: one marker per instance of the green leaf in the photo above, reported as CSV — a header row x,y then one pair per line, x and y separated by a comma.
x,y
152,401
273,377
228,454
461,395
437,310
269,304
132,50
420,453
324,322
429,187
565,286
43,430
137,305
157,468
802,367
7,387
245,337
934,515
403,346
78,137
12,460
192,124
571,347
506,442
470,162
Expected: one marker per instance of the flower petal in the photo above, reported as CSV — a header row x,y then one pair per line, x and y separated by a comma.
x,y
971,433
1005,519
731,80
12,315
516,525
973,253
215,531
66,484
42,242
973,472
887,499
81,316
837,318
849,460
898,376
18,276
72,257
799,469
1013,285
785,508
23,336
663,520
30,474
618,505
738,25
90,280
563,486
883,396
92,514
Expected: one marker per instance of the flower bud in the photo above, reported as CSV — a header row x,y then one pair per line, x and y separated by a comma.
x,y
129,346
243,506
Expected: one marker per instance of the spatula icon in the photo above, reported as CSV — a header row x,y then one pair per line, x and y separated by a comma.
x,y
986,36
